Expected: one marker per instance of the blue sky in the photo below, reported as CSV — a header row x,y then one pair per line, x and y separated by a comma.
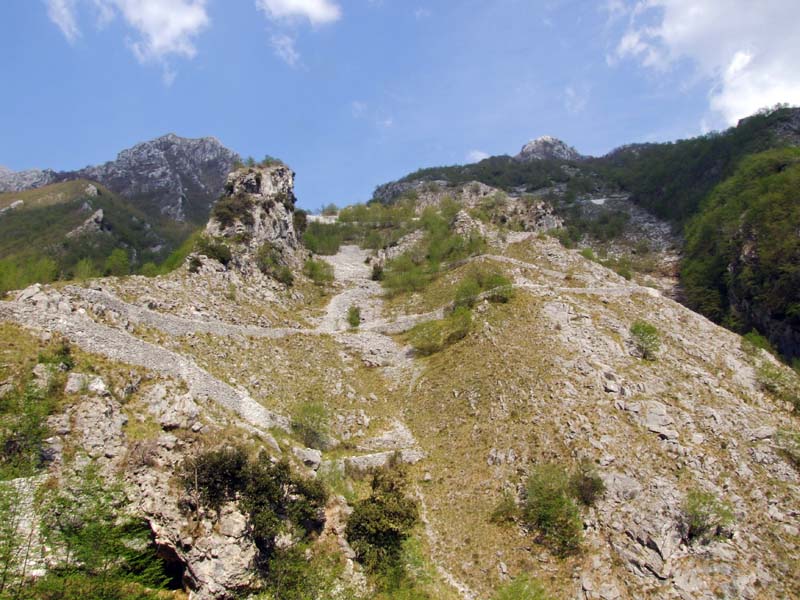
x,y
353,93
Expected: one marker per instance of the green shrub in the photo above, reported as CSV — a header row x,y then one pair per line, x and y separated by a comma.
x,y
149,269
300,221
646,339
404,275
704,517
85,269
291,575
194,264
215,250
272,496
549,508
318,271
269,262
523,587
101,551
311,421
377,272
381,523
780,382
354,316
753,341
588,254
329,210
585,484
323,238
273,499
215,477
467,292
229,209
23,431
481,279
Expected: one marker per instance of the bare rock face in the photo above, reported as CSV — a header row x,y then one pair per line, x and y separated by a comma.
x,y
17,181
94,224
547,147
180,175
265,197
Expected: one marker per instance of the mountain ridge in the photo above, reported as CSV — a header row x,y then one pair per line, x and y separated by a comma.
x,y
171,175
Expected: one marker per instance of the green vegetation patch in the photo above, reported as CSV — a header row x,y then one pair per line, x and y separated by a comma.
x,y
743,244
274,499
646,339
704,517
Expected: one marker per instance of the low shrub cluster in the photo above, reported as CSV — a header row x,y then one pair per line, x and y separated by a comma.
x,y
549,503
311,421
214,249
99,550
318,271
704,517
273,498
269,262
481,279
380,524
432,336
230,209
323,238
412,271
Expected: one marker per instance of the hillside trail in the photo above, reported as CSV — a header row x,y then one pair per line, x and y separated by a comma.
x,y
352,273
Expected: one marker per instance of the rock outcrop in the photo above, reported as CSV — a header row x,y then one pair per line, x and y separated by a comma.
x,y
548,148
17,181
262,205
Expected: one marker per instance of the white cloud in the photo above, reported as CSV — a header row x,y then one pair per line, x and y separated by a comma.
x,y
358,109
318,12
747,50
284,48
576,98
63,14
165,27
422,13
474,156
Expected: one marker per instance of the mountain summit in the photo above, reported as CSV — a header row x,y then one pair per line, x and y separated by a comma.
x,y
546,148
170,175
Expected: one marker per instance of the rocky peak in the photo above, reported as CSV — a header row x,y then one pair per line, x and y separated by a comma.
x,y
259,203
547,147
17,181
180,175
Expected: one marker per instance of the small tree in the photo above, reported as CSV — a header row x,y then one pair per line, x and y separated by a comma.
x,y
118,263
382,522
85,269
646,339
585,484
